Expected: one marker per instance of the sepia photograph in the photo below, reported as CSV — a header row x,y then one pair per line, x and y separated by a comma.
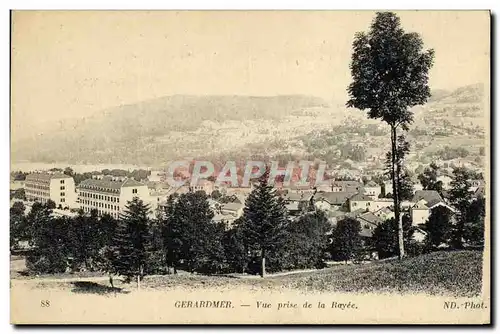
x,y
250,167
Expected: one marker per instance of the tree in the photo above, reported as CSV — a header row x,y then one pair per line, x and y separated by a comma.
x,y
107,229
308,240
84,240
474,226
385,237
216,194
438,226
390,75
172,235
264,221
346,239
235,249
429,180
51,204
130,242
403,177
19,194
406,188
460,198
17,224
190,234
48,240
156,253
68,171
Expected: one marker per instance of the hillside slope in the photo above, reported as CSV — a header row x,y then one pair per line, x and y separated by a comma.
x,y
129,129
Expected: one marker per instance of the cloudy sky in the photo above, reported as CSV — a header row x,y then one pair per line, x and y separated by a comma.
x,y
72,64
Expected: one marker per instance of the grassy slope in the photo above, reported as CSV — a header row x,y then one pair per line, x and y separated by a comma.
x,y
441,273
449,273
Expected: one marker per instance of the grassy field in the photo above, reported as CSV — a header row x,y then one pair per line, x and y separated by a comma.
x,y
442,273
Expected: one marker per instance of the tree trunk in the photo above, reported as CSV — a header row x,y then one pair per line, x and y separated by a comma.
x,y
111,281
263,269
139,277
395,192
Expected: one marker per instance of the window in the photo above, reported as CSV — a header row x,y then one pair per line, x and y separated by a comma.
x,y
62,187
62,181
62,200
134,191
62,194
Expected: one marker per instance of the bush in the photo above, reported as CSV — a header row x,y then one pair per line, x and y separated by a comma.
x,y
414,248
41,264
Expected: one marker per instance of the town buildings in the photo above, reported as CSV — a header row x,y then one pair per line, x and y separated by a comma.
x,y
110,195
44,186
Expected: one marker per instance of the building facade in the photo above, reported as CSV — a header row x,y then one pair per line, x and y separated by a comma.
x,y
110,195
57,187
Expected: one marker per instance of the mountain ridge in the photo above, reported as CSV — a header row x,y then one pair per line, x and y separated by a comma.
x,y
163,128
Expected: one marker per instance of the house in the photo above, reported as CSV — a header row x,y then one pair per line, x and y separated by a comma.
x,y
228,219
367,203
55,186
476,184
16,184
157,176
203,185
368,222
384,213
110,195
294,208
346,186
430,196
372,189
425,201
359,201
387,187
234,209
445,181
417,186
331,200
479,192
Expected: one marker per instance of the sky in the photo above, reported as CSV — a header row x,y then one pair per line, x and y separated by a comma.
x,y
72,64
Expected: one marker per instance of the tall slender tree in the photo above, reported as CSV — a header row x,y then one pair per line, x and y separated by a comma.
x,y
129,246
264,221
403,179
390,75
173,241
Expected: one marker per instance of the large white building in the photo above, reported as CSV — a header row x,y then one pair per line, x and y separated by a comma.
x,y
57,187
109,194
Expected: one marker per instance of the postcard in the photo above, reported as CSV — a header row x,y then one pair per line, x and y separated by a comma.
x,y
250,167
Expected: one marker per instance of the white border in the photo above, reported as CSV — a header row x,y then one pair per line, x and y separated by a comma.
x,y
186,4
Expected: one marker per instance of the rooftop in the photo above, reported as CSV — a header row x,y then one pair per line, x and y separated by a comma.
x,y
47,176
109,184
432,197
360,197
335,198
372,184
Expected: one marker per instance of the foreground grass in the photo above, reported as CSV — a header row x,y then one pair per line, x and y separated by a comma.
x,y
456,273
